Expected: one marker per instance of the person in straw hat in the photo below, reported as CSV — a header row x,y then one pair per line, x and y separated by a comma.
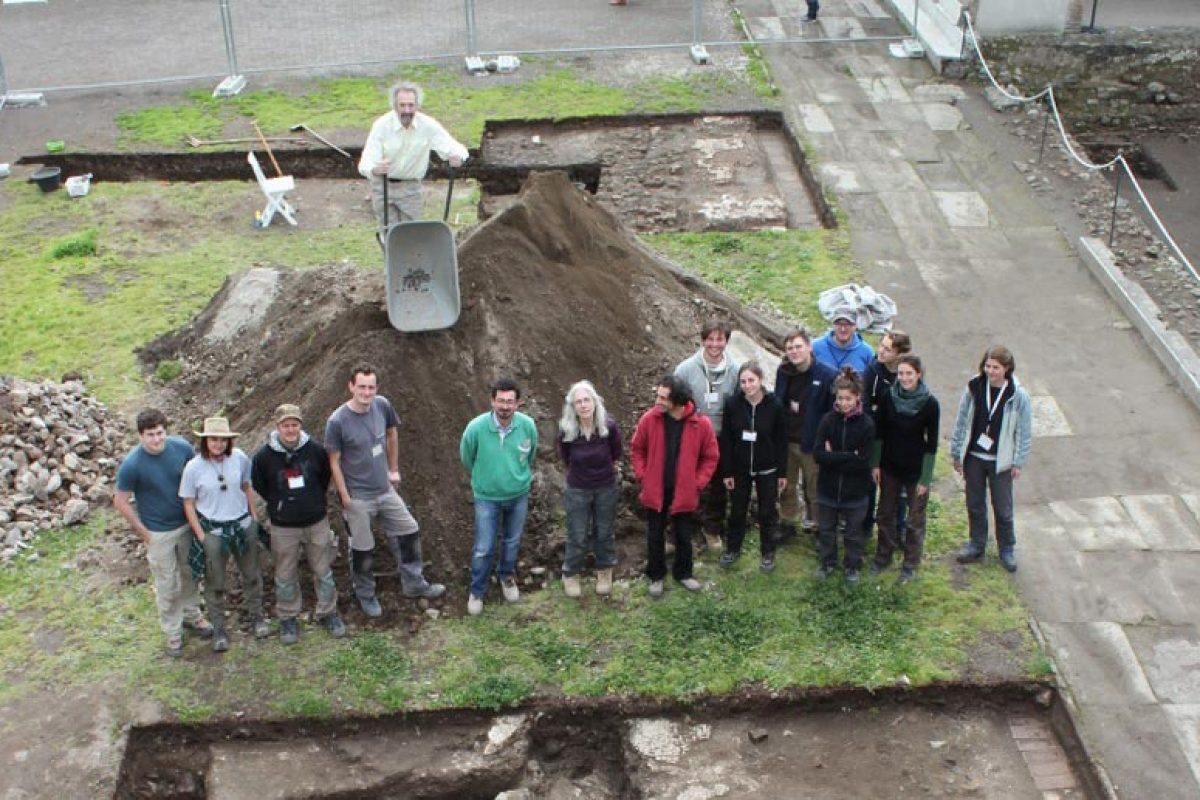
x,y
219,505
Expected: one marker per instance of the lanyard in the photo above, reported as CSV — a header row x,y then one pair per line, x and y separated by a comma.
x,y
992,406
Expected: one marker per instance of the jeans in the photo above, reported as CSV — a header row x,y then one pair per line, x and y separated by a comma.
x,y
214,578
800,465
317,542
656,544
767,487
980,475
813,8
891,502
174,590
492,517
591,515
828,518
403,540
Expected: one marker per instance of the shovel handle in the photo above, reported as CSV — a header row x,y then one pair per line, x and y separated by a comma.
x,y
449,195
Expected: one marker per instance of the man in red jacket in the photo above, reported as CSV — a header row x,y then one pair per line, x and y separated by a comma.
x,y
674,454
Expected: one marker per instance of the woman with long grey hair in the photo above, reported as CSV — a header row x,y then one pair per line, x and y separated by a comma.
x,y
589,442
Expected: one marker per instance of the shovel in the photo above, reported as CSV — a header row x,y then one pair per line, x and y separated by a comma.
x,y
302,127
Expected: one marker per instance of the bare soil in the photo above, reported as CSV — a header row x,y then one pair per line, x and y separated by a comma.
x,y
554,290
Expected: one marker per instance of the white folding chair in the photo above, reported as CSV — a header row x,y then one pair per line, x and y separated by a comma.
x,y
275,190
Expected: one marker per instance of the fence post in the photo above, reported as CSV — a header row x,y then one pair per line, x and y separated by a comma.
x,y
234,82
472,31
698,51
916,16
1112,225
1045,126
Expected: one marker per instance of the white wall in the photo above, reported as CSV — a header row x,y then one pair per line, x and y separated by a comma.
x,y
1018,16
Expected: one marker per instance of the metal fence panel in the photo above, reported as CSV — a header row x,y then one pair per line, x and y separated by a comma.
x,y
516,26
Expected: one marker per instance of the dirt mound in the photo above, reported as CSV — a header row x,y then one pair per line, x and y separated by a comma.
x,y
554,290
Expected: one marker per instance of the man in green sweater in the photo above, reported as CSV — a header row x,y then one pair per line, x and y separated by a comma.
x,y
498,448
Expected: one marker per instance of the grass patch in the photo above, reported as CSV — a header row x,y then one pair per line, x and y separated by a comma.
x,y
78,245
785,270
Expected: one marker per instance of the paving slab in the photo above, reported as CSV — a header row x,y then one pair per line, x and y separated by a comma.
x,y
911,209
1186,721
1099,662
962,209
1170,658
1164,521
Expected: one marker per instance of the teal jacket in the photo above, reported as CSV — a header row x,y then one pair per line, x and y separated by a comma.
x,y
500,470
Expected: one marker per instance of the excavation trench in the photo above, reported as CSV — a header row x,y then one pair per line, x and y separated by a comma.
x,y
946,741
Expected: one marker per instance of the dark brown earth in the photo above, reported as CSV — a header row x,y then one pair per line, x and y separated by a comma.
x,y
554,290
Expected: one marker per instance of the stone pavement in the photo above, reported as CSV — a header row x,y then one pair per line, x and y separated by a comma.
x,y
1108,508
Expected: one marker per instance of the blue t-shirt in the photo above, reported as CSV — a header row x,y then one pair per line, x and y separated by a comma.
x,y
154,482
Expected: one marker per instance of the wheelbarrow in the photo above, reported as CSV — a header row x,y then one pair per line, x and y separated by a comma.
x,y
422,271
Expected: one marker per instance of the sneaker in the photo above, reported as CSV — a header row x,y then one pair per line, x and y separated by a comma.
x,y
289,631
968,555
691,584
728,558
333,623
220,643
430,592
371,607
824,571
851,576
604,581
767,566
1008,561
906,574
509,585
656,588
200,627
175,648
571,586
262,627
474,605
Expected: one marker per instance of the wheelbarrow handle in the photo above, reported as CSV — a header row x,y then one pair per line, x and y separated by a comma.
x,y
449,195
384,178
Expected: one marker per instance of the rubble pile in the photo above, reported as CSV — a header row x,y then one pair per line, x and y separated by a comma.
x,y
59,451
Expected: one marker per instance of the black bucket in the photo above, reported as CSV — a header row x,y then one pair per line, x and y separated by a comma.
x,y
47,178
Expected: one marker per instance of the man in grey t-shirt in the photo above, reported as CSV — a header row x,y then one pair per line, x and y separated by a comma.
x,y
364,456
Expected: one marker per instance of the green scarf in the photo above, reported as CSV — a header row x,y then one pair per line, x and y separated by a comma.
x,y
910,403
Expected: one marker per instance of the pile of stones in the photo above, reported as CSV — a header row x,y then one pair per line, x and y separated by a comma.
x,y
59,451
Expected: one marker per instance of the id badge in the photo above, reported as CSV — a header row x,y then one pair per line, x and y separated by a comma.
x,y
295,481
794,406
749,436
984,441
377,451
712,399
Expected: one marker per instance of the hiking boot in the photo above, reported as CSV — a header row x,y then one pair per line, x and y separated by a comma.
x,y
474,605
333,623
851,576
604,581
262,628
907,574
175,647
571,587
656,588
509,586
289,631
371,607
728,558
200,627
1008,560
220,643
430,592
767,566
968,555
825,570
691,584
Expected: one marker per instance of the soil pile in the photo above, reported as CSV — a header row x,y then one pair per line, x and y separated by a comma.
x,y
59,450
554,290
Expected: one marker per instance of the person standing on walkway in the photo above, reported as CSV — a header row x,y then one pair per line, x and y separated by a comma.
x,y
877,382
991,442
674,454
589,443
906,440
843,450
841,346
813,7
362,438
219,505
711,377
498,448
397,151
805,388
147,497
290,472
754,453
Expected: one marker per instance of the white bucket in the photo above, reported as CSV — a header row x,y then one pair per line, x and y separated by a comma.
x,y
79,185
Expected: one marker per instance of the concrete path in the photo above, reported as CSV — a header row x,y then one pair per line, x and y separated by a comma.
x,y
1109,506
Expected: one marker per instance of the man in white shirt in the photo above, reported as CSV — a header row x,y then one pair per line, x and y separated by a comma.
x,y
397,151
